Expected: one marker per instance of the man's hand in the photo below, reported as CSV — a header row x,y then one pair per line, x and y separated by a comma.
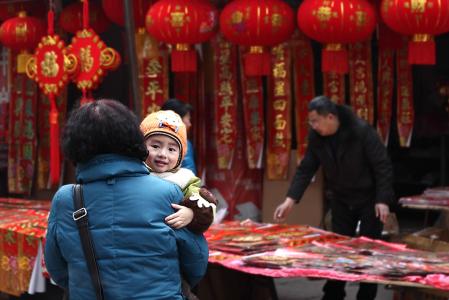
x,y
181,218
283,210
382,211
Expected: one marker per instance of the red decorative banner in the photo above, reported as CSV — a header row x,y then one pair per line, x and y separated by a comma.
x,y
154,82
304,88
22,134
225,87
279,114
4,96
239,189
334,87
405,111
253,116
361,80
385,75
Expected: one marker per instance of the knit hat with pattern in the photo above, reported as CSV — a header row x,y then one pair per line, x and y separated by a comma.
x,y
169,123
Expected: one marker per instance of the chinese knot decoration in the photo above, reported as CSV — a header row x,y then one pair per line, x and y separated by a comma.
x,y
51,67
422,20
182,23
22,33
257,24
93,56
335,23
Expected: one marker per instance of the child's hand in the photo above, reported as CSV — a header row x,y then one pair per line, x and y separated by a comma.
x,y
181,218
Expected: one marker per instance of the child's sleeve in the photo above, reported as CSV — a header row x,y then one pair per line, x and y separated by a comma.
x,y
203,204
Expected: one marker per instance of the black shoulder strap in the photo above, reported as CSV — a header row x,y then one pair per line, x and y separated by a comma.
x,y
80,217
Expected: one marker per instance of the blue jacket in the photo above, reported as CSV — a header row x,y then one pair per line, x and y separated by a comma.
x,y
139,256
189,159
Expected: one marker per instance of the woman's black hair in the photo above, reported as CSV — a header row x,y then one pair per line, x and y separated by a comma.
x,y
176,105
102,127
323,106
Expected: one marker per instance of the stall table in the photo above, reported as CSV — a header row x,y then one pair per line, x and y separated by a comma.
x,y
250,253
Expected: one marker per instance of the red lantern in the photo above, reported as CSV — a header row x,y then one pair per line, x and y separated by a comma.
x,y
11,9
115,12
335,23
71,18
22,33
257,24
420,19
182,23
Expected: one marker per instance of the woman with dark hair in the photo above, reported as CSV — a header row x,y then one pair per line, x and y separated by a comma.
x,y
138,255
183,110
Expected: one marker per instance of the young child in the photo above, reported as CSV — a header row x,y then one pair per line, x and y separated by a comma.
x,y
166,141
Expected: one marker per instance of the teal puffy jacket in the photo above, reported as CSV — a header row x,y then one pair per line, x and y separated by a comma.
x,y
139,256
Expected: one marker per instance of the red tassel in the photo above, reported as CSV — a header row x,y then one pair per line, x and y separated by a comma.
x,y
86,98
55,162
183,59
257,64
421,50
334,59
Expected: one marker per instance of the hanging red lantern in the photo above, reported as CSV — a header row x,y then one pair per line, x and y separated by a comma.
x,y
335,23
22,33
257,24
115,12
420,19
182,23
71,18
9,10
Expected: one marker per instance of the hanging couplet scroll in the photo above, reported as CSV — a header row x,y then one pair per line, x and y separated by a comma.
x,y
253,116
405,114
279,114
94,58
361,80
51,67
304,88
385,85
225,83
334,87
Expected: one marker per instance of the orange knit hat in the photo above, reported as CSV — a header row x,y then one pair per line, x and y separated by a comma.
x,y
169,123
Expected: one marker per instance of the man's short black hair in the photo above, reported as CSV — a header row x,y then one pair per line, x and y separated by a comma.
x,y
176,105
102,127
323,106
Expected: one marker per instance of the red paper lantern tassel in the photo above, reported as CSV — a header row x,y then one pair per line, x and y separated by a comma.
x,y
421,50
257,62
183,58
334,59
86,98
55,162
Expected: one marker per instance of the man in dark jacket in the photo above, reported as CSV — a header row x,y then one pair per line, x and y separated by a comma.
x,y
357,178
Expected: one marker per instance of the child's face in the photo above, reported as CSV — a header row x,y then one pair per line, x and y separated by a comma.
x,y
163,153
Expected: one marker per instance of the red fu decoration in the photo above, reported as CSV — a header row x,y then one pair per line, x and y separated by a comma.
x,y
257,24
22,33
51,67
422,20
335,23
182,23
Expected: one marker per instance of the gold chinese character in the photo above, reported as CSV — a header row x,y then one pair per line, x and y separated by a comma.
x,y
153,89
87,60
280,105
279,70
276,20
49,66
280,122
153,69
177,19
279,89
